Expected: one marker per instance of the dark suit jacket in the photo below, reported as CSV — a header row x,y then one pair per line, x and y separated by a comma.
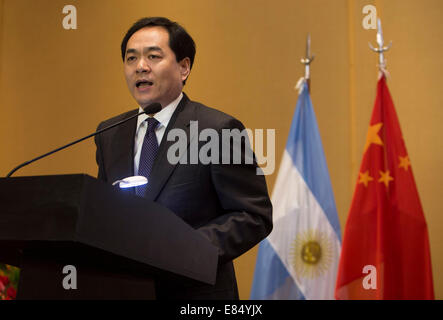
x,y
227,203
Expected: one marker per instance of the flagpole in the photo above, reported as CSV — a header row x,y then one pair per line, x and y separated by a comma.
x,y
385,188
308,269
307,61
381,48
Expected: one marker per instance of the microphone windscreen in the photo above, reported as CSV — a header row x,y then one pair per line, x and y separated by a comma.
x,y
153,108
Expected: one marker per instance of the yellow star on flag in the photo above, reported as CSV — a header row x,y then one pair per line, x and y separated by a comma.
x,y
372,135
404,162
365,178
385,178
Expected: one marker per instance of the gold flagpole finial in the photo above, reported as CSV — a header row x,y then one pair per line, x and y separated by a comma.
x,y
307,60
381,48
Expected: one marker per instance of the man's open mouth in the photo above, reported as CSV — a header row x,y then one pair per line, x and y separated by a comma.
x,y
143,83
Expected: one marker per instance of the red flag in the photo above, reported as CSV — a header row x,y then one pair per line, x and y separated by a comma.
x,y
385,252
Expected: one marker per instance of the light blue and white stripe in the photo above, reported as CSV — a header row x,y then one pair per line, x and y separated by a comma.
x,y
303,206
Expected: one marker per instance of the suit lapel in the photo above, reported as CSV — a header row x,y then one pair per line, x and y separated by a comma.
x,y
162,169
123,149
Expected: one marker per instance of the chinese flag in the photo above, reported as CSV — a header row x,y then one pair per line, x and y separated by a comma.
x,y
385,251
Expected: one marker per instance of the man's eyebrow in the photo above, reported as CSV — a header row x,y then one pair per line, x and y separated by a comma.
x,y
152,48
147,49
131,51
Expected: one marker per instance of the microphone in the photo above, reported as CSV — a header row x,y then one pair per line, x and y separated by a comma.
x,y
151,109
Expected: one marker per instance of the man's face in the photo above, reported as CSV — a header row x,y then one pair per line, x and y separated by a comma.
x,y
151,69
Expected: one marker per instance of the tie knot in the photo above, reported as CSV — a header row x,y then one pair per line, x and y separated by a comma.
x,y
152,124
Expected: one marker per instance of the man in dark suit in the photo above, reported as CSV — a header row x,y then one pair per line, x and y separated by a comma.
x,y
228,203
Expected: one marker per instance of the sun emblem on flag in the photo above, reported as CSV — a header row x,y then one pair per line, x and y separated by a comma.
x,y
312,254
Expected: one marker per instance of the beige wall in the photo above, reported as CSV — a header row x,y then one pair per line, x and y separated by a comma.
x,y
56,85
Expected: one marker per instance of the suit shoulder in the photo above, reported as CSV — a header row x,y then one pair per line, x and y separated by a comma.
x,y
214,118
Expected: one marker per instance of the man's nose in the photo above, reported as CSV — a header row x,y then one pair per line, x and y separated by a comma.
x,y
143,66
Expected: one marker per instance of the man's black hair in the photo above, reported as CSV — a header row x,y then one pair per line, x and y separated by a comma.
x,y
179,40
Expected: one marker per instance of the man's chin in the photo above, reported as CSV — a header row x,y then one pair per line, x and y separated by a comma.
x,y
145,102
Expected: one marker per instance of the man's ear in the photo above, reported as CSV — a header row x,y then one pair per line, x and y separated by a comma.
x,y
185,68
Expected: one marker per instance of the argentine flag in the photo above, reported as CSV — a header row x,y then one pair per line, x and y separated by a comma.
x,y
299,259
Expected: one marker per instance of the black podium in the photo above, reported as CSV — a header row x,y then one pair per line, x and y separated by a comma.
x,y
119,244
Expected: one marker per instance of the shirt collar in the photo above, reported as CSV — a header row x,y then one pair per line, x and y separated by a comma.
x,y
163,116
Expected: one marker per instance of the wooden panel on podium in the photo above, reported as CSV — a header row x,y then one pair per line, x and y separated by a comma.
x,y
118,243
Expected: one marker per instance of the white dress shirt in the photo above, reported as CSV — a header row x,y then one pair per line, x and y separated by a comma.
x,y
163,117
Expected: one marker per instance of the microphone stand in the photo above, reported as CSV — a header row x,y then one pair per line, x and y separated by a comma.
x,y
153,108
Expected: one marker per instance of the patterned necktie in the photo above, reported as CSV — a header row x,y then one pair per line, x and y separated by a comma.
x,y
147,156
